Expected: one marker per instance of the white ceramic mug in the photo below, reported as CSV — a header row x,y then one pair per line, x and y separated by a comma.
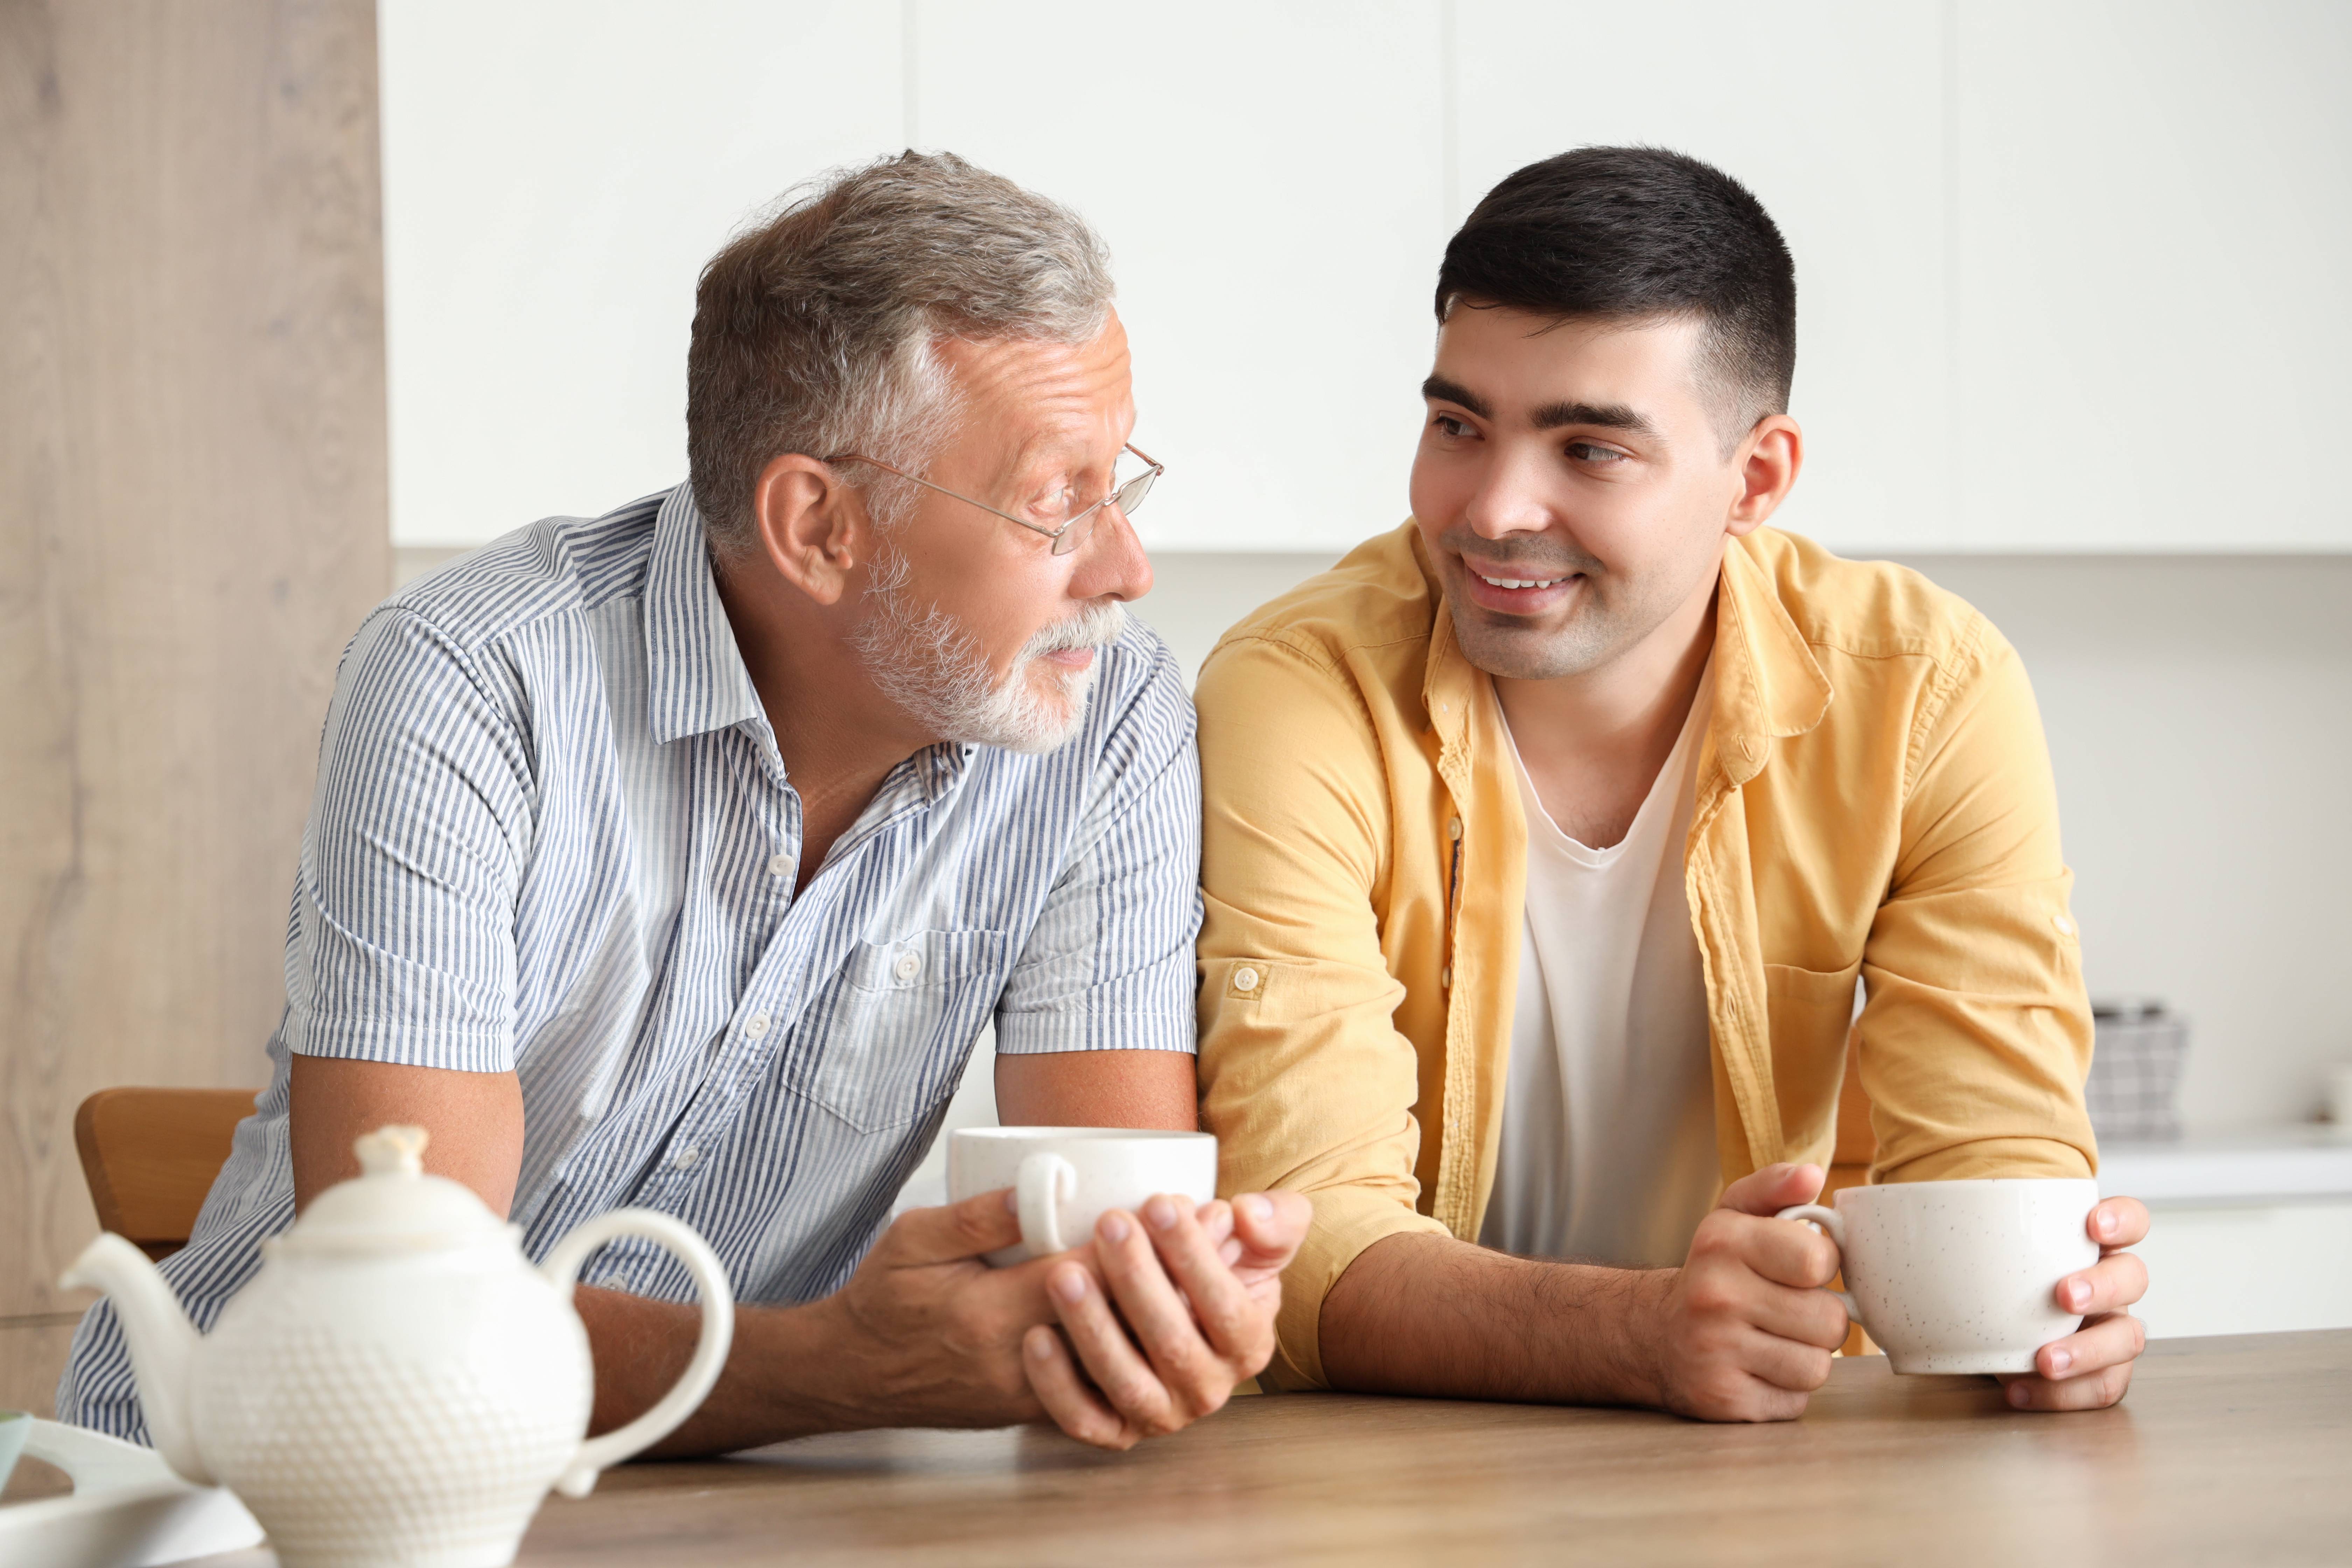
x,y
1959,1277
1066,1178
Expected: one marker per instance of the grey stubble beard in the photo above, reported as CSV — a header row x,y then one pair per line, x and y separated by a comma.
x,y
931,666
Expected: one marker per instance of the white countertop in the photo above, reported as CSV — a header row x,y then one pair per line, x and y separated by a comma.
x,y
2296,1163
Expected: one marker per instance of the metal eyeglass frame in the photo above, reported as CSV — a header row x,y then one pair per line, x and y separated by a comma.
x,y
1067,538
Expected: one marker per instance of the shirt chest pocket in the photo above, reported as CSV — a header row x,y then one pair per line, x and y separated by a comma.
x,y
897,1024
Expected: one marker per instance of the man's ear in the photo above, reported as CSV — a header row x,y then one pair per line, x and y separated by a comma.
x,y
1768,463
812,527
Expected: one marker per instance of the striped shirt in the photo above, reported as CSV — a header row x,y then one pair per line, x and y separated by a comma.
x,y
552,835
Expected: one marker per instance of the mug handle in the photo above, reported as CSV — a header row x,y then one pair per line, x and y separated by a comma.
x,y
1046,1182
562,1265
1827,1221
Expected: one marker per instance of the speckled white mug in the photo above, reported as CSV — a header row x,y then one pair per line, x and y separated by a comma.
x,y
1958,1277
1065,1178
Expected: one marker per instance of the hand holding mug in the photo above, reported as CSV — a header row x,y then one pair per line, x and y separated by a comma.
x,y
1180,1313
1741,1331
1173,1305
1995,1276
2091,1368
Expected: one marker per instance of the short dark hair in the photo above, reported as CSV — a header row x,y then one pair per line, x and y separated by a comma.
x,y
1636,234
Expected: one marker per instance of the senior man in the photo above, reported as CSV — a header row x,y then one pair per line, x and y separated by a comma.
x,y
1549,834
676,857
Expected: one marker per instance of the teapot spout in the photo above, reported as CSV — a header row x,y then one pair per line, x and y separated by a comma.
x,y
163,1343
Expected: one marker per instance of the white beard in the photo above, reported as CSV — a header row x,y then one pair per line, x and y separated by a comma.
x,y
936,671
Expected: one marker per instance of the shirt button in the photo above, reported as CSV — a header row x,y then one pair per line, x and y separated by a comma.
x,y
2065,927
756,1026
909,964
1245,979
779,865
685,1158
1445,978
1453,828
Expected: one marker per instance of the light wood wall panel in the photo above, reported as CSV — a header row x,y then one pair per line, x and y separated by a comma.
x,y
192,523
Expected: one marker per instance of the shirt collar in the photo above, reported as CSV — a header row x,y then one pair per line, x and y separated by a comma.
x,y
1767,685
695,677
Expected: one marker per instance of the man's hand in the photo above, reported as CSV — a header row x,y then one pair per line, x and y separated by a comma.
x,y
1739,1332
2090,1368
926,1333
1177,1309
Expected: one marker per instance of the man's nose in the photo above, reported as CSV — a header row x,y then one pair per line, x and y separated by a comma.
x,y
1112,563
1509,498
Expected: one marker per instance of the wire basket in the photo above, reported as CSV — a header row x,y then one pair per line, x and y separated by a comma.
x,y
2134,1090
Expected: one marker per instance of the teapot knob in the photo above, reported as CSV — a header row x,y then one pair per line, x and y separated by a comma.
x,y
395,1150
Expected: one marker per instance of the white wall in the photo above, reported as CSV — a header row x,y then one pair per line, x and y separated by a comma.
x,y
2069,269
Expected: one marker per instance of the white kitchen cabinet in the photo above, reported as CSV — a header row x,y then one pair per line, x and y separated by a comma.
x,y
1271,181
2248,1268
2249,1234
1832,115
554,176
2153,210
2031,236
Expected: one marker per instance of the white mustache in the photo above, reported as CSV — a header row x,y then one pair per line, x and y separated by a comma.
x,y
1096,625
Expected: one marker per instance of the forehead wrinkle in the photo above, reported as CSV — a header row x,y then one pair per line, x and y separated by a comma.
x,y
1059,398
1062,419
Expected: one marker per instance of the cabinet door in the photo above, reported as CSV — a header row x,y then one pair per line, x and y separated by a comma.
x,y
1831,113
1270,180
554,176
2154,206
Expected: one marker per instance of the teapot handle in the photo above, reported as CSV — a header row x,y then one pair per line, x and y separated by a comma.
x,y
710,1352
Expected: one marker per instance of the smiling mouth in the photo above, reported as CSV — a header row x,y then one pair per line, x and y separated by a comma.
x,y
1518,582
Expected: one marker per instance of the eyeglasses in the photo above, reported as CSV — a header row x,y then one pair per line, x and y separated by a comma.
x,y
1074,528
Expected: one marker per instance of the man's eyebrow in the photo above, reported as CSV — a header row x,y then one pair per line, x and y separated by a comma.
x,y
1550,416
1437,389
1608,416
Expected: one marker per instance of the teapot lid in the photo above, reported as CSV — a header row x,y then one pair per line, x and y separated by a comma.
x,y
392,1205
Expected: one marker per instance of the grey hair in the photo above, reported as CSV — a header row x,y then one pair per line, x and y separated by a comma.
x,y
815,328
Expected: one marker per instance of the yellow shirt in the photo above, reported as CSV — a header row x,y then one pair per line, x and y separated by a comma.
x,y
1873,799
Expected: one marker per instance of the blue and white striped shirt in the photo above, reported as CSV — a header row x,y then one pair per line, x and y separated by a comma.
x,y
552,835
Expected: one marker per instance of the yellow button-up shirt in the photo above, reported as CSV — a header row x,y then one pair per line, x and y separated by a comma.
x,y
1874,800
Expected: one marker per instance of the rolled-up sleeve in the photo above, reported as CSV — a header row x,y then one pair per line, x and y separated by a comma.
x,y
1976,1034
1305,1079
412,860
1108,964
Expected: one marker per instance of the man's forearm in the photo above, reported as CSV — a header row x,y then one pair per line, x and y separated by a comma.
x,y
1431,1315
772,1386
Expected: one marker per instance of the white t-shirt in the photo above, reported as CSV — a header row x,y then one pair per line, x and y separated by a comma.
x,y
1608,1146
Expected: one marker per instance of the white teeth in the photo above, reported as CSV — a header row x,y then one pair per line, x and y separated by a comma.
x,y
1519,582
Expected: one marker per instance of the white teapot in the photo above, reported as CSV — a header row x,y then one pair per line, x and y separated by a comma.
x,y
398,1385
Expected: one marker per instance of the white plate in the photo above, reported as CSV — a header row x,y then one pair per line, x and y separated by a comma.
x,y
126,1510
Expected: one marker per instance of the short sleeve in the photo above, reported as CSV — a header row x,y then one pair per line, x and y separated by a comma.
x,y
402,940
1108,964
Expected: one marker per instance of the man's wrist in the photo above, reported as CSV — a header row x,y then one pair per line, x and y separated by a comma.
x,y
1635,1308
823,1359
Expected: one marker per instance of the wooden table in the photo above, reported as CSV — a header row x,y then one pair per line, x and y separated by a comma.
x,y
2228,1451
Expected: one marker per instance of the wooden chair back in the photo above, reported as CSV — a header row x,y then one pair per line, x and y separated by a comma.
x,y
150,1156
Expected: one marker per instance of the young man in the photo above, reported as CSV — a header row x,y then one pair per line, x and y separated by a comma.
x,y
1547,836
676,858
